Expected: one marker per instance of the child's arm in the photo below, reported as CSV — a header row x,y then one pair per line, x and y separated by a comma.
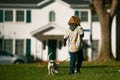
x,y
66,36
81,32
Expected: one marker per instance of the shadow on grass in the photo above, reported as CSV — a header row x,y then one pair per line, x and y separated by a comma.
x,y
91,66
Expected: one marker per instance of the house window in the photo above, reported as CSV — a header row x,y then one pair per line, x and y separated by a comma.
x,y
82,14
8,16
19,47
8,45
95,48
85,50
20,16
95,18
52,16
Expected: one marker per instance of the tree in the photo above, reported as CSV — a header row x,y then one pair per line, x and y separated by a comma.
x,y
105,18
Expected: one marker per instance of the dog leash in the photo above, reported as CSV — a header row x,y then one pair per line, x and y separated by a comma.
x,y
65,60
49,55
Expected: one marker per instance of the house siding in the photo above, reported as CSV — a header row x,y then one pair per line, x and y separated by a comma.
x,y
38,18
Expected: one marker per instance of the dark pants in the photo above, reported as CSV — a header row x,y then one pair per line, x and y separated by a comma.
x,y
76,61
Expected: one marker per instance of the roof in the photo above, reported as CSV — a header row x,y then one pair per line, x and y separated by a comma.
x,y
34,3
46,28
20,1
77,2
38,1
25,3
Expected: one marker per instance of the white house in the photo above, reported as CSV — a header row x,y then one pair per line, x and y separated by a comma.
x,y
35,27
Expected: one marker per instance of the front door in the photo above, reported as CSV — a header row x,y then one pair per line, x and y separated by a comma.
x,y
52,45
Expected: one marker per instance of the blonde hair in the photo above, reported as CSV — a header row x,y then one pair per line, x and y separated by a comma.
x,y
74,20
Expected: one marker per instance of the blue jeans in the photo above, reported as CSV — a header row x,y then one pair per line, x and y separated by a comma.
x,y
76,60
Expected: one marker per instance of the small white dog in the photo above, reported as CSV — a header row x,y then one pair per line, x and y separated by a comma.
x,y
53,67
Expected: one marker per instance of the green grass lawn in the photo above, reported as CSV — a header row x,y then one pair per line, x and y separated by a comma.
x,y
37,71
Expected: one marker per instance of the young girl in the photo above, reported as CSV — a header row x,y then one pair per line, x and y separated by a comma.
x,y
74,36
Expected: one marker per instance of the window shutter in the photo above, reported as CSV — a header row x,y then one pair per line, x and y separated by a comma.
x,y
1,15
28,47
76,13
28,16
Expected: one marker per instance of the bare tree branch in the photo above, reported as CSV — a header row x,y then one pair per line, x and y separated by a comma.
x,y
114,6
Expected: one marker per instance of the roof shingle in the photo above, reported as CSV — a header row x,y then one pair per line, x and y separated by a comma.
x,y
20,1
38,1
77,2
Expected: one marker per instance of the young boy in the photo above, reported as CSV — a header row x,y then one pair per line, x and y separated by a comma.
x,y
74,36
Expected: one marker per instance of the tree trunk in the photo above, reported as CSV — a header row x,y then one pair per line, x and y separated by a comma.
x,y
105,52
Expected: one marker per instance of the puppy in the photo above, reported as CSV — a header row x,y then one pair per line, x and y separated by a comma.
x,y
53,67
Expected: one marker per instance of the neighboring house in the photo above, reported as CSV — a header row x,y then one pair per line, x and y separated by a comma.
x,y
36,27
